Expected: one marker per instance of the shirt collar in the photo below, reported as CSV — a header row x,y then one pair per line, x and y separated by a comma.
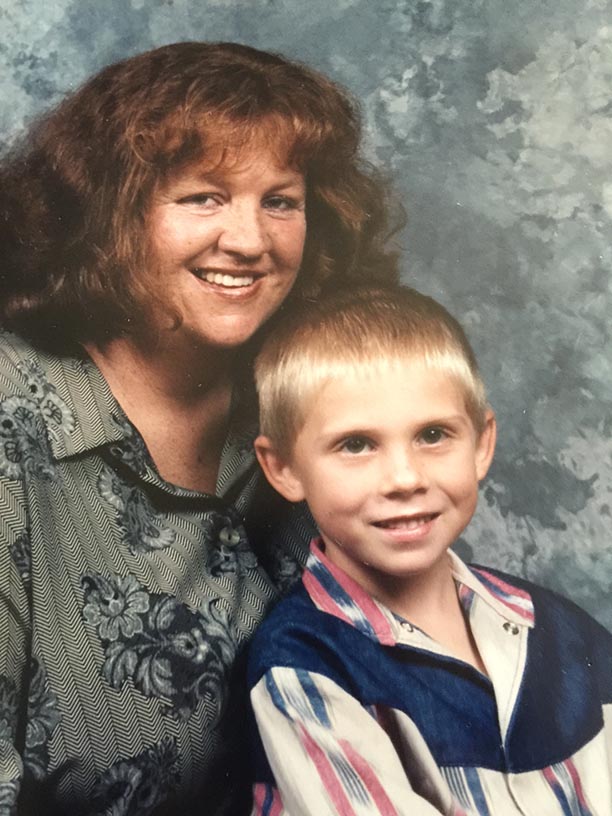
x,y
509,601
80,414
77,406
334,592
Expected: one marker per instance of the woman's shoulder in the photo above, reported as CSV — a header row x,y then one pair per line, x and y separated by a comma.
x,y
32,414
19,360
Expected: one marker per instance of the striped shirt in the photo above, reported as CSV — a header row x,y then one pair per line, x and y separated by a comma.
x,y
359,712
124,602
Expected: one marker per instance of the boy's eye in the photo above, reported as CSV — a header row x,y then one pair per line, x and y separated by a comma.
x,y
356,444
433,435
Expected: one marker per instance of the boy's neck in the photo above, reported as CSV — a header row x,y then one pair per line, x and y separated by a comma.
x,y
430,601
432,604
422,598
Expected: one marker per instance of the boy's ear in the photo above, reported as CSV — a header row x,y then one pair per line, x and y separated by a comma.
x,y
485,445
278,470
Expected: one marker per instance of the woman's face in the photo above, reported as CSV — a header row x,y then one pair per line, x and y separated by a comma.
x,y
228,244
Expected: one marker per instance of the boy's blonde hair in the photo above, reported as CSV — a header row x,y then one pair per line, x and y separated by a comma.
x,y
350,334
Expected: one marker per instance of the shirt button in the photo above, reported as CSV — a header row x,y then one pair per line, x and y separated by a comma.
x,y
511,627
407,626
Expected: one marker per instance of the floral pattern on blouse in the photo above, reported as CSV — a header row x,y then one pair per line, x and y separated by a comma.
x,y
286,571
8,795
230,551
24,444
21,554
135,620
166,649
43,716
8,708
142,529
133,787
131,450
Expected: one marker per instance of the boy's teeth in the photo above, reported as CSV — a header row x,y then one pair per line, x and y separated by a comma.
x,y
227,280
405,523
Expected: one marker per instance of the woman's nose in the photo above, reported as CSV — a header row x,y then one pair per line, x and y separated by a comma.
x,y
244,231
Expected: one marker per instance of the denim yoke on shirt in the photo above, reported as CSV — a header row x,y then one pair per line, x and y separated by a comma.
x,y
125,601
360,712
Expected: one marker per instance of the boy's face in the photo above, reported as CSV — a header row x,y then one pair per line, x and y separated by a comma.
x,y
389,464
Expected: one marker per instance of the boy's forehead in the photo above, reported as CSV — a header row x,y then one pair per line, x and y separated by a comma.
x,y
411,383
405,368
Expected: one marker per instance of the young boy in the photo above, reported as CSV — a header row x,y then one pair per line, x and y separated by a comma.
x,y
395,679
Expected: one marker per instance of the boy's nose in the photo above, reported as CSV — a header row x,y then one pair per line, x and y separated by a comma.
x,y
244,232
404,473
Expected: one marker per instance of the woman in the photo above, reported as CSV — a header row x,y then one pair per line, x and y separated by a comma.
x,y
152,224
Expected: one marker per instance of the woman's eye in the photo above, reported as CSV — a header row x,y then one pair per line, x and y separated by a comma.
x,y
206,201
282,203
433,435
356,444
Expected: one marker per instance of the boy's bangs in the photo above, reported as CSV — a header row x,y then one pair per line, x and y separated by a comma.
x,y
303,379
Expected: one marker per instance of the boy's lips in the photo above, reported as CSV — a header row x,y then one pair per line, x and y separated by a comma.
x,y
406,523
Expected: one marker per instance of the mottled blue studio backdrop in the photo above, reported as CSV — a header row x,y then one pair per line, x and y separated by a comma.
x,y
494,118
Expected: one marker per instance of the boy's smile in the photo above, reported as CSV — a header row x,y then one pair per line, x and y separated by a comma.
x,y
389,462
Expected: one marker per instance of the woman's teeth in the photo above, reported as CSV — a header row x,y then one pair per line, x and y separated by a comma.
x,y
220,279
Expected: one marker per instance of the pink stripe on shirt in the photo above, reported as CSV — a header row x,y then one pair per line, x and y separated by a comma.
x,y
370,780
271,807
331,783
357,594
508,593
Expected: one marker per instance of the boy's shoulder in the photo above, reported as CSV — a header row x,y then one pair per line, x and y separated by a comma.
x,y
568,668
297,634
295,602
553,612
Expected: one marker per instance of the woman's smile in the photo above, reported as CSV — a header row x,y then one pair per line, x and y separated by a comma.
x,y
226,280
228,244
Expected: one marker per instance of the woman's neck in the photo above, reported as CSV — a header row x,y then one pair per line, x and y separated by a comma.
x,y
180,404
168,364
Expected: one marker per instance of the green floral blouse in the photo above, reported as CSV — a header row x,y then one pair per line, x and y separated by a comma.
x,y
124,603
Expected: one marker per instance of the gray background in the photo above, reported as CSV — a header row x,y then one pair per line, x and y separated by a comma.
x,y
494,119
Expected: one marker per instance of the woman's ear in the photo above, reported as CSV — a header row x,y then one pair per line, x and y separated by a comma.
x,y
485,445
278,470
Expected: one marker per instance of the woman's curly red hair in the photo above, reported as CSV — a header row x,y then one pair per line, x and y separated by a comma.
x,y
74,198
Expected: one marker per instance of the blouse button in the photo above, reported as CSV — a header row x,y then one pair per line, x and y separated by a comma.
x,y
229,536
408,626
511,627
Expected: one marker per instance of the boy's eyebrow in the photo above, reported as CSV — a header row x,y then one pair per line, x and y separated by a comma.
x,y
449,418
332,435
349,430
364,430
